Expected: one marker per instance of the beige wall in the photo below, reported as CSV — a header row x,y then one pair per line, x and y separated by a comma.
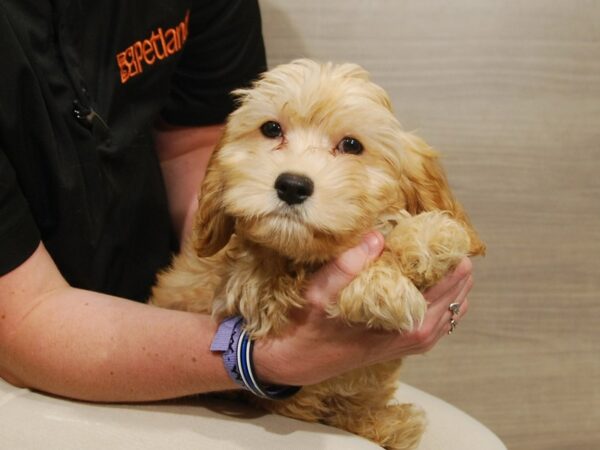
x,y
509,91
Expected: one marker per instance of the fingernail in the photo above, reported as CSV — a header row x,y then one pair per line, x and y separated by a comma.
x,y
372,243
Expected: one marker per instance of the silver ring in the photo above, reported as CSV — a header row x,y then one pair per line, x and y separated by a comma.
x,y
454,308
453,324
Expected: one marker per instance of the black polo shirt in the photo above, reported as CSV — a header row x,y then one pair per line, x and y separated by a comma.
x,y
81,84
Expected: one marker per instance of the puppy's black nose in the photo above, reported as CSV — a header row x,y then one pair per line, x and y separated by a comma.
x,y
292,188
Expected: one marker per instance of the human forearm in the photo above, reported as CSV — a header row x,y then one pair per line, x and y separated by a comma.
x,y
184,153
89,346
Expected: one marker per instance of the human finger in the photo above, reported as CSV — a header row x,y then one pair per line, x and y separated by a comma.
x,y
437,320
451,283
458,312
336,275
457,306
456,295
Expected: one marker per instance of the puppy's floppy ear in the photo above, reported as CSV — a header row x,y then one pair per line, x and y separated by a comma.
x,y
426,188
212,226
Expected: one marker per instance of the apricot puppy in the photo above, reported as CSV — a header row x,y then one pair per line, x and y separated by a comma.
x,y
311,160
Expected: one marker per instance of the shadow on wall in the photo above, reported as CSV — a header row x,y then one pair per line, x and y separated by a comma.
x,y
283,41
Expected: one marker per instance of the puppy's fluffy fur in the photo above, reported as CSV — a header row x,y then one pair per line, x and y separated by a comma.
x,y
251,252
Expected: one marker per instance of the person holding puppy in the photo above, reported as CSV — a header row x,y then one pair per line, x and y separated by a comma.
x,y
108,116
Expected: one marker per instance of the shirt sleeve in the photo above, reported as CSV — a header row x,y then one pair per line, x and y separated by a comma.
x,y
19,235
224,51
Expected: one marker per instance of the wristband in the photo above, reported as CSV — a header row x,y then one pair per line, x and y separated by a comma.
x,y
237,348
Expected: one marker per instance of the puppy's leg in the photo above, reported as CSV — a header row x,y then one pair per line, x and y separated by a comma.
x,y
381,297
394,427
359,402
419,251
362,403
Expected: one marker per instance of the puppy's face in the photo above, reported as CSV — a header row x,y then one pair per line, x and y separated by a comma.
x,y
309,161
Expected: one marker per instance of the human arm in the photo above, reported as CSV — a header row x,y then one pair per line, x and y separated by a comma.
x,y
89,346
183,153
85,345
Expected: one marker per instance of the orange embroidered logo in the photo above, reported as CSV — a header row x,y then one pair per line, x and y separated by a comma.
x,y
160,45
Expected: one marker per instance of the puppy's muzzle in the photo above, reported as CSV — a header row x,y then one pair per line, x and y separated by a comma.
x,y
293,188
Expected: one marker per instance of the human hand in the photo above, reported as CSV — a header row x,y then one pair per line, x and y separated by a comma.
x,y
317,347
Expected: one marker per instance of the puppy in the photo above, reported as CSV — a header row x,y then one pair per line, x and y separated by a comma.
x,y
311,160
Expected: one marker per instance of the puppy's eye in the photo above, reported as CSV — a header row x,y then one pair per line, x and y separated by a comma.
x,y
350,145
271,129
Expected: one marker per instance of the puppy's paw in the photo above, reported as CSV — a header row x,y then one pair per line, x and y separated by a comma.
x,y
381,297
394,427
400,427
428,246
